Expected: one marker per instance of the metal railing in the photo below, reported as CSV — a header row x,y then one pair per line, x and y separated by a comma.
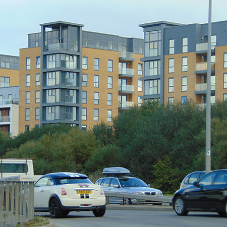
x,y
4,118
204,46
203,87
9,101
124,54
125,104
126,71
126,88
203,66
16,202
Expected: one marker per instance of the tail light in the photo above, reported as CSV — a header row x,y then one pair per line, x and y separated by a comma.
x,y
63,191
101,191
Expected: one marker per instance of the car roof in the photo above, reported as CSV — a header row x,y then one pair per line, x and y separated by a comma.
x,y
64,175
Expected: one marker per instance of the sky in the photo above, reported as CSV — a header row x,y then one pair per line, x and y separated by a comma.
x,y
119,17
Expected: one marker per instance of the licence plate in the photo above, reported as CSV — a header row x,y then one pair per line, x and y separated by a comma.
x,y
84,191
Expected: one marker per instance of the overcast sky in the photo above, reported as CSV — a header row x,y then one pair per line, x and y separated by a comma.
x,y
120,17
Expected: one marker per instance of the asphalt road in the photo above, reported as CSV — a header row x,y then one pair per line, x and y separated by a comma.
x,y
134,218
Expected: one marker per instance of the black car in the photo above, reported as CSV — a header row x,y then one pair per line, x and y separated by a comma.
x,y
191,178
208,194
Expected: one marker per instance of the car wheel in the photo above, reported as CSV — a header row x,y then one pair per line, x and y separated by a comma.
x,y
55,209
99,212
179,206
65,212
224,213
127,201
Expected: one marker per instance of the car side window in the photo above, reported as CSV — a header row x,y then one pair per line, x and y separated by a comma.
x,y
106,182
221,178
98,182
193,178
50,182
114,181
186,180
208,179
42,182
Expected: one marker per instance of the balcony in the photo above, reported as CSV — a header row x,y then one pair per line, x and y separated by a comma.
x,y
126,56
125,105
56,46
203,47
4,119
126,72
129,89
9,101
202,88
201,68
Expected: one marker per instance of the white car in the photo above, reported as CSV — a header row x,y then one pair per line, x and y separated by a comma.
x,y
60,193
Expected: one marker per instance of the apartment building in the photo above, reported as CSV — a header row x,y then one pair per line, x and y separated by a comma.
x,y
175,60
77,77
9,94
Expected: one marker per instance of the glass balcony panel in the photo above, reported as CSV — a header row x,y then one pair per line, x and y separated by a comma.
x,y
203,66
126,88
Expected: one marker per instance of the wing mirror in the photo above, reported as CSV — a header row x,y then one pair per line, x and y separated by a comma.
x,y
196,184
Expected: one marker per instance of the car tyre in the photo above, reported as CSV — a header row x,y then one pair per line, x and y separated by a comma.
x,y
55,209
224,213
65,212
99,212
179,206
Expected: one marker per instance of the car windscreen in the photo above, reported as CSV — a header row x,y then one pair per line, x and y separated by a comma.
x,y
132,182
71,180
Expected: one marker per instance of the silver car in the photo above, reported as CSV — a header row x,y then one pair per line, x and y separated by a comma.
x,y
119,181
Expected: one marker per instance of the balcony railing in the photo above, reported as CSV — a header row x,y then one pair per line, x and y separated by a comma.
x,y
126,88
126,71
125,104
4,119
203,87
203,66
126,55
204,46
9,101
57,46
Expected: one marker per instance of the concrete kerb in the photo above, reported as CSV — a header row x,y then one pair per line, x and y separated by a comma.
x,y
139,207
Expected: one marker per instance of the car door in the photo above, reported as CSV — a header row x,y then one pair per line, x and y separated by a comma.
x,y
106,184
197,197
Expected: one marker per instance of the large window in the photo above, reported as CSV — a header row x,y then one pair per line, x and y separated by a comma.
x,y
52,96
28,80
5,81
225,60
140,69
96,80
171,65
38,62
70,113
140,85
152,68
171,100
50,113
171,46
96,64
51,61
96,114
28,63
109,115
96,98
37,113
84,97
70,79
84,64
184,64
70,96
109,99
184,83
183,99
153,43
52,78
27,97
37,79
152,87
37,96
84,80
110,65
70,61
84,114
27,114
225,80
110,82
171,84
185,45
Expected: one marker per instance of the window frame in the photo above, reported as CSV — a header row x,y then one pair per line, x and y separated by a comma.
x,y
28,63
170,86
37,116
110,65
37,62
184,87
84,80
171,65
85,62
37,79
96,114
84,114
109,99
96,64
37,96
27,114
96,80
96,98
84,99
184,46
110,85
109,115
184,66
28,97
171,46
28,80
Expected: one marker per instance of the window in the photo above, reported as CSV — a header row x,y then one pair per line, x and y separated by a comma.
x,y
52,95
38,62
96,64
70,96
28,63
37,96
70,61
221,178
109,99
185,45
84,97
28,80
84,80
70,79
27,114
26,128
37,79
37,113
27,97
184,83
5,81
84,114
84,127
152,87
171,84
225,80
51,61
184,64
171,46
152,43
50,113
70,113
140,85
140,101
140,69
110,82
84,65
1,100
152,68
110,65
171,100
224,97
109,115
96,114
96,98
36,125
123,68
10,98
52,78
225,60
183,99
171,65
96,81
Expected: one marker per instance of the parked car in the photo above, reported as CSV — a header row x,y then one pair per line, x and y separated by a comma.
x,y
191,178
208,194
118,180
60,193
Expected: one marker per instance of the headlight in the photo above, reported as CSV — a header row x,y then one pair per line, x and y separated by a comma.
x,y
159,193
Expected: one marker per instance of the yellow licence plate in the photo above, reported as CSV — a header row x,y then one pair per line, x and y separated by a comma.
x,y
84,191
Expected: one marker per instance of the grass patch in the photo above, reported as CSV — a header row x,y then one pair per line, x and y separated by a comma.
x,y
37,221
